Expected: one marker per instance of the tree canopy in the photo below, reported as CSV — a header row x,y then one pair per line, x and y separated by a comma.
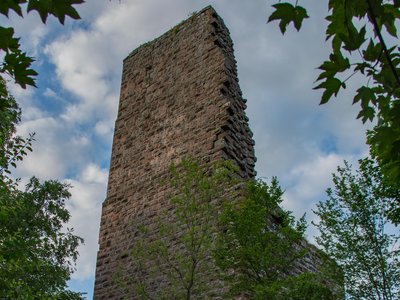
x,y
260,245
356,232
363,37
223,237
12,146
179,246
37,252
16,63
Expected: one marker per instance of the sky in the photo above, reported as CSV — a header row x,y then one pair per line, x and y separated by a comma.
x,y
74,107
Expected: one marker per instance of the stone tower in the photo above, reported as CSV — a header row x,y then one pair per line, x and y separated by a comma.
x,y
180,97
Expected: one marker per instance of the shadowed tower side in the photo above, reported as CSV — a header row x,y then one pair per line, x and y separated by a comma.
x,y
179,97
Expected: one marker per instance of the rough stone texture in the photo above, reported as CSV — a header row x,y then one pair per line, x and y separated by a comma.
x,y
179,98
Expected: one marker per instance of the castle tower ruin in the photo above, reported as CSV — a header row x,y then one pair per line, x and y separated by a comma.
x,y
179,98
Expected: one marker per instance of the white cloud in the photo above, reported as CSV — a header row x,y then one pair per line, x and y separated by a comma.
x,y
57,149
51,94
93,174
30,29
104,128
45,161
88,192
309,179
306,183
82,72
88,61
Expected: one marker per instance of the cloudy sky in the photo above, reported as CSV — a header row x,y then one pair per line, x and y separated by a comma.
x,y
73,110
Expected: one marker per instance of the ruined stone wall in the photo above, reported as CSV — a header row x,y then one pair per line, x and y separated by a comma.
x,y
179,98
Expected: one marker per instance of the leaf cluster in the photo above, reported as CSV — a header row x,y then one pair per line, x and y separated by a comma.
x,y
359,31
378,63
177,257
260,245
13,147
357,233
16,62
287,13
36,254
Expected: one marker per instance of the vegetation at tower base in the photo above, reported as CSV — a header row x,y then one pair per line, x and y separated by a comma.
x,y
179,259
356,231
364,42
251,247
37,254
260,246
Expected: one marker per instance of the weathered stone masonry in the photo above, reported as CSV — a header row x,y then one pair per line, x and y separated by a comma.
x,y
180,98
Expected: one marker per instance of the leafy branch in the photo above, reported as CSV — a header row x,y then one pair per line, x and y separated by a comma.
x,y
179,246
379,98
16,63
372,17
15,151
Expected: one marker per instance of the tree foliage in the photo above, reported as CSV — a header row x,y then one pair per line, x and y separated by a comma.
x,y
221,230
356,232
36,254
12,146
178,255
363,37
16,62
260,245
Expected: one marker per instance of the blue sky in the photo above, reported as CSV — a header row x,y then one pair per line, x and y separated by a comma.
x,y
73,110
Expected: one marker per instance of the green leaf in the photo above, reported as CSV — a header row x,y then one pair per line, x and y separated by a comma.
x,y
388,19
337,63
366,95
7,40
367,113
373,51
362,66
357,8
7,5
18,66
300,15
336,44
337,25
353,39
286,13
41,6
331,86
15,62
59,9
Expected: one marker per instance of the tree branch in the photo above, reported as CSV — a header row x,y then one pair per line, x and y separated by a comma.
x,y
382,41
